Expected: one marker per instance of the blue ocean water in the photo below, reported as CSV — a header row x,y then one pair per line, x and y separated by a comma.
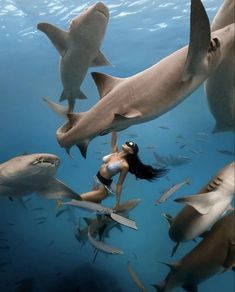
x,y
139,34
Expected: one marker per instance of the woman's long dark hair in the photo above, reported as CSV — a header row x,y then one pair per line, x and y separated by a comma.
x,y
143,171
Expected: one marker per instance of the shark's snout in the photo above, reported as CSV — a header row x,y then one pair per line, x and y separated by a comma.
x,y
102,8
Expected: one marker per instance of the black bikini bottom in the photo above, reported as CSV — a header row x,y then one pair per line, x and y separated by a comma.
x,y
105,181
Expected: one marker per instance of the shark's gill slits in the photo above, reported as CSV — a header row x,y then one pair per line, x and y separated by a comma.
x,y
214,184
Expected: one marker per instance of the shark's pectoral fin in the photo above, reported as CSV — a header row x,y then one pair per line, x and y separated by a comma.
x,y
202,203
131,114
100,60
105,83
56,189
190,288
229,262
58,37
200,37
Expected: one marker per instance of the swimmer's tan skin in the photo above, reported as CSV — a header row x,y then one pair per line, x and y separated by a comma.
x,y
100,193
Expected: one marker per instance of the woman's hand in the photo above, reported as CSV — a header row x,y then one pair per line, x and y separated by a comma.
x,y
116,207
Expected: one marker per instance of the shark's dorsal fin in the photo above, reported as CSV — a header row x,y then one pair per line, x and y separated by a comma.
x,y
83,147
57,36
105,83
202,203
200,37
100,60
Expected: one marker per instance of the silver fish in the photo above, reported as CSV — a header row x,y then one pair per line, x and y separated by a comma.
x,y
171,191
136,279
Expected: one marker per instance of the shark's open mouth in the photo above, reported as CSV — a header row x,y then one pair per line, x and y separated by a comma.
x,y
44,160
104,13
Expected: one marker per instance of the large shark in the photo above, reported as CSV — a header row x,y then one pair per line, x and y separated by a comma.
x,y
79,48
26,174
220,86
152,92
202,210
216,252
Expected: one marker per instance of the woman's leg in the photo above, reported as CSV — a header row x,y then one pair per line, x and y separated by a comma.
x,y
95,196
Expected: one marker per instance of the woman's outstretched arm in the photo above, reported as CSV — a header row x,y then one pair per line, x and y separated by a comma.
x,y
114,145
120,182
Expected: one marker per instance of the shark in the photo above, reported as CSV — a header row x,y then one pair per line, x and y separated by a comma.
x,y
214,254
100,227
79,48
150,93
33,173
220,86
202,210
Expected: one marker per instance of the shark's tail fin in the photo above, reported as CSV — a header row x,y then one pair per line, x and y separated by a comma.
x,y
59,109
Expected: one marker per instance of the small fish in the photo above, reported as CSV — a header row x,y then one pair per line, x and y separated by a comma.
x,y
132,135
40,222
10,223
201,140
150,147
101,246
27,200
61,212
134,255
136,279
182,146
226,152
40,218
171,191
51,242
202,134
164,127
37,209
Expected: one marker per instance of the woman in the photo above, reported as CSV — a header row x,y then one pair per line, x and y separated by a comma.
x,y
121,162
